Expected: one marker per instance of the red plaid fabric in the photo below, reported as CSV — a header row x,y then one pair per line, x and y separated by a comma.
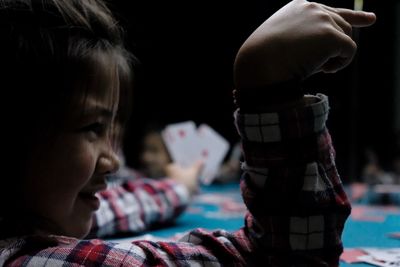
x,y
297,208
297,205
136,205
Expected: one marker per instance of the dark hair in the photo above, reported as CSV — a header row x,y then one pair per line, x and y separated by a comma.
x,y
51,50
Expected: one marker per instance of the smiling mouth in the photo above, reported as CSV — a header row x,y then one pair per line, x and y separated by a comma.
x,y
90,199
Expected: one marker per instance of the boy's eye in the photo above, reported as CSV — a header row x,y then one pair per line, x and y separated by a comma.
x,y
97,129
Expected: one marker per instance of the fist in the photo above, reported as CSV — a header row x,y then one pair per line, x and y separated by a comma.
x,y
300,39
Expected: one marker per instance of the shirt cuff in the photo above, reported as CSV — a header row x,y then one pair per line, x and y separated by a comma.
x,y
289,124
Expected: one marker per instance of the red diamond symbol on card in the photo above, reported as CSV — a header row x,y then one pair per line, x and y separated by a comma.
x,y
182,133
204,153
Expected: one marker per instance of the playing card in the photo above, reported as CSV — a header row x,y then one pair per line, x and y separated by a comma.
x,y
213,149
378,262
352,255
394,235
182,143
386,255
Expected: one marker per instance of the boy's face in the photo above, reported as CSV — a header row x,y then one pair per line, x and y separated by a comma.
x,y
65,174
154,156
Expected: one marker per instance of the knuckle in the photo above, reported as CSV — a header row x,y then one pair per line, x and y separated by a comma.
x,y
323,16
348,29
329,31
312,5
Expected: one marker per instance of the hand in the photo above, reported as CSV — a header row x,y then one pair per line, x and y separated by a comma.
x,y
188,176
300,39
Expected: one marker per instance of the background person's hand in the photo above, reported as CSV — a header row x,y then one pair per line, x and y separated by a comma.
x,y
301,39
187,176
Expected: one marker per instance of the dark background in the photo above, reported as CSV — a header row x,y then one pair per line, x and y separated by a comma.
x,y
186,52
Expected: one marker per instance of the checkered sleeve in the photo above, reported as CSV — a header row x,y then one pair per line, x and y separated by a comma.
x,y
137,205
197,248
296,202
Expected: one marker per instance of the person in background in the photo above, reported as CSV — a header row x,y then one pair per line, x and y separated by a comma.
x,y
154,156
382,184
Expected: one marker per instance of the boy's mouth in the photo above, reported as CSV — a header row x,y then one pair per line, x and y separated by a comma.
x,y
90,199
89,196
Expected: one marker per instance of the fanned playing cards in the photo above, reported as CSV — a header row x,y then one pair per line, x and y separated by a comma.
x,y
187,143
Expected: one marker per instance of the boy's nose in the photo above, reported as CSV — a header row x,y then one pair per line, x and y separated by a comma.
x,y
108,164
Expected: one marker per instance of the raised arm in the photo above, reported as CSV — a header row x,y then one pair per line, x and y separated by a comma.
x,y
291,186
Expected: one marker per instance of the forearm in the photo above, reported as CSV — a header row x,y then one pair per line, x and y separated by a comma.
x,y
138,205
291,187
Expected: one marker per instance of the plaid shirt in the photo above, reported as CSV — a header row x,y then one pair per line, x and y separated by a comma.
x,y
297,208
138,204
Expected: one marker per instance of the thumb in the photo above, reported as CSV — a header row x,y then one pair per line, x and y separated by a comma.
x,y
198,166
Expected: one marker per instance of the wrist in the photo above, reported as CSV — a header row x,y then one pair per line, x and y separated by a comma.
x,y
262,62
